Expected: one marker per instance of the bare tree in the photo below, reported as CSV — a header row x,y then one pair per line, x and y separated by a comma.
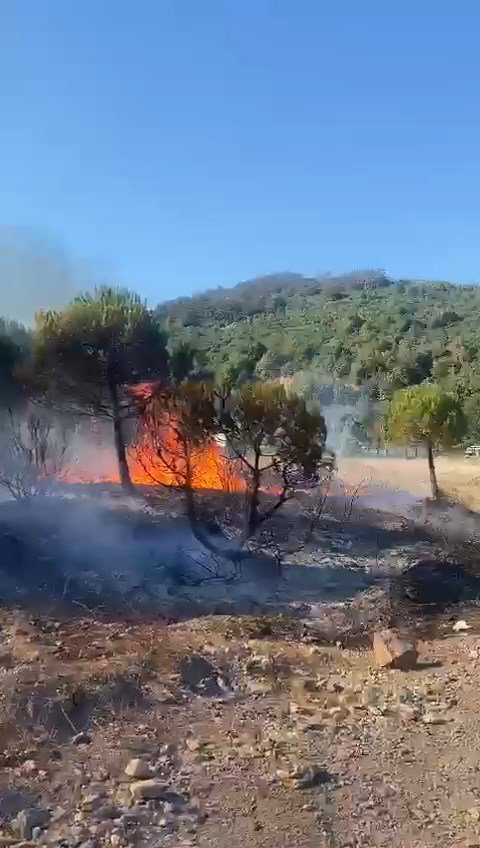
x,y
176,448
315,508
33,454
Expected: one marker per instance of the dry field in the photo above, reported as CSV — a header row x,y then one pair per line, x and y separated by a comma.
x,y
458,476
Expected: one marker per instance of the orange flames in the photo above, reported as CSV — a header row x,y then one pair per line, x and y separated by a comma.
x,y
210,468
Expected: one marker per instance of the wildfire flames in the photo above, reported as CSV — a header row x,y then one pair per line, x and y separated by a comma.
x,y
210,468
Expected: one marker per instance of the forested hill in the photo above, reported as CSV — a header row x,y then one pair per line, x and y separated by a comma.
x,y
361,328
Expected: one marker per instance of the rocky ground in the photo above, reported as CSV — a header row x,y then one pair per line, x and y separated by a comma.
x,y
226,731
127,719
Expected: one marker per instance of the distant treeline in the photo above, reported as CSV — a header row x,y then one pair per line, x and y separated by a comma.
x,y
361,329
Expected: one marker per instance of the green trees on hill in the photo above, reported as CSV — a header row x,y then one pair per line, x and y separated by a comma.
x,y
471,410
364,330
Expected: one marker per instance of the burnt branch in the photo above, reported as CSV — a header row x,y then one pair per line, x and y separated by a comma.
x,y
352,495
33,455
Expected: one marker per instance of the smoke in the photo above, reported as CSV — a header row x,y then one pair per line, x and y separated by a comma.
x,y
344,411
35,273
92,455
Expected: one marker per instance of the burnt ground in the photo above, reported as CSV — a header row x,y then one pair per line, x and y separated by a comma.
x,y
96,550
265,724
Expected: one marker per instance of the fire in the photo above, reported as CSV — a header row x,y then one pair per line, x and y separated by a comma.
x,y
210,467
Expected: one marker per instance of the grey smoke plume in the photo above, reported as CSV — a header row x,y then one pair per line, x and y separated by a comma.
x,y
35,273
344,409
342,420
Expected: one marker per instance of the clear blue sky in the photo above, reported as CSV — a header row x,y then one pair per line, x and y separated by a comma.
x,y
179,144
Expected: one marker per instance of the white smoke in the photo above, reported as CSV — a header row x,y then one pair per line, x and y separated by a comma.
x,y
344,411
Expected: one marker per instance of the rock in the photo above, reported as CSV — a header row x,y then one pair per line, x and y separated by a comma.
x,y
82,738
12,801
78,831
138,768
433,718
407,712
29,767
200,676
29,819
337,713
258,687
373,696
6,842
107,812
259,664
335,684
460,626
147,790
390,651
168,808
433,688
92,801
103,829
314,722
432,581
162,694
133,815
168,749
311,776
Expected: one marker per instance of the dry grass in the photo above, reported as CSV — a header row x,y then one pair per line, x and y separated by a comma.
x,y
458,476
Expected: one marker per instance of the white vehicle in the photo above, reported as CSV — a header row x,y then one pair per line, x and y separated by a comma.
x,y
472,450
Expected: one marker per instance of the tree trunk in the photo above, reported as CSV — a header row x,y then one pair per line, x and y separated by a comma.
x,y
124,472
235,554
251,518
432,472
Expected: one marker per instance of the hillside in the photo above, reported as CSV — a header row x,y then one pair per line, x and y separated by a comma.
x,y
361,328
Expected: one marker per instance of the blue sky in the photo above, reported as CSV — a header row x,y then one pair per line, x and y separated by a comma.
x,y
177,144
